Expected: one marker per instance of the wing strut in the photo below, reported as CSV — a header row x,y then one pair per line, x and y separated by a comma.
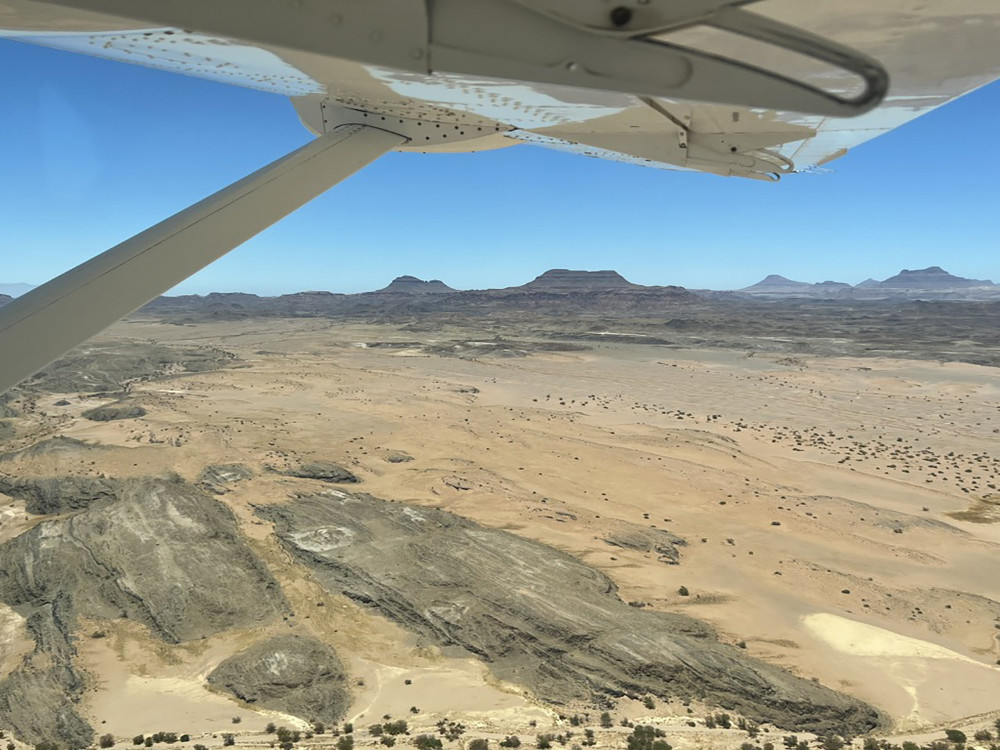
x,y
48,321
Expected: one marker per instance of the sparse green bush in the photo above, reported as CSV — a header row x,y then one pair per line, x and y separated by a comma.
x,y
911,746
138,739
544,741
427,742
185,738
319,727
648,702
832,742
348,728
588,738
984,735
387,739
270,728
956,736
375,730
511,741
346,741
790,741
683,591
228,740
606,720
396,728
645,738
478,744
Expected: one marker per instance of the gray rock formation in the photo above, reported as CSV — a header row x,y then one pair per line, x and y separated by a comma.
x,y
655,541
114,411
325,471
4,299
162,552
218,477
538,616
55,446
50,495
159,552
96,368
413,285
291,673
38,699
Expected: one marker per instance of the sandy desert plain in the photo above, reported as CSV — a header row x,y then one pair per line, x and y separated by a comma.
x,y
837,516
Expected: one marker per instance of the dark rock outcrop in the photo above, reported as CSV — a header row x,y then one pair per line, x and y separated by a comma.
x,y
291,673
55,446
160,552
538,616
38,699
655,541
114,411
325,471
51,495
97,368
218,477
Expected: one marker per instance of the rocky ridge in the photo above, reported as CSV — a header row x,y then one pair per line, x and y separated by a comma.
x,y
554,625
155,551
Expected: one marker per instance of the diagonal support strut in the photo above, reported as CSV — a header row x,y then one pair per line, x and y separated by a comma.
x,y
47,322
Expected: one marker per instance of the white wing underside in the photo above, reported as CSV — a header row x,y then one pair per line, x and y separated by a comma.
x,y
934,51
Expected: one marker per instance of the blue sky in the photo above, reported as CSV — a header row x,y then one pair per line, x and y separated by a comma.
x,y
92,152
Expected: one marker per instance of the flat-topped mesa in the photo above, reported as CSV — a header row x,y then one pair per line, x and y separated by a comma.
x,y
775,282
565,280
934,277
413,285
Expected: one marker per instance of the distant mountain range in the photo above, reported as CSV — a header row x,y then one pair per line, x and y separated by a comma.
x,y
568,291
925,283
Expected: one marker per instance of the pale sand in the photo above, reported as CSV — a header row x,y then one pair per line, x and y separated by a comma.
x,y
839,452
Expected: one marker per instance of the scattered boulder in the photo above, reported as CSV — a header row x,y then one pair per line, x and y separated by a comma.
x,y
114,411
294,674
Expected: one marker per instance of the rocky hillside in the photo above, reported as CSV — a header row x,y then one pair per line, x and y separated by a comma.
x,y
155,551
538,616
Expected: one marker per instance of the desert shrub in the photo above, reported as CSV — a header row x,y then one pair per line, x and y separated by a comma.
x,y
956,736
387,739
478,744
606,720
511,741
228,740
427,742
544,741
346,741
683,591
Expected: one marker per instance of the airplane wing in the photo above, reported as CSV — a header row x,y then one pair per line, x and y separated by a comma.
x,y
747,88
